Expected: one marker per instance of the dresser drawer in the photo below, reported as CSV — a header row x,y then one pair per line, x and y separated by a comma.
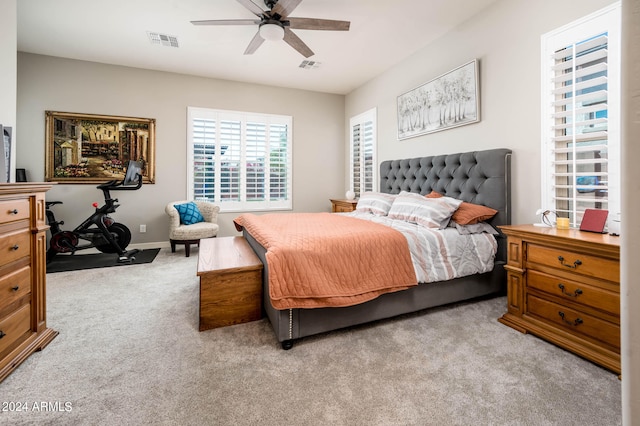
x,y
584,294
574,321
575,262
14,326
12,210
14,246
15,285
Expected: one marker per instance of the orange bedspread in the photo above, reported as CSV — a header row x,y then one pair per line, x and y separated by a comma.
x,y
323,259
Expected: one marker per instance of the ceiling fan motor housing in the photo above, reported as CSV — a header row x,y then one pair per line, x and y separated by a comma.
x,y
276,24
273,22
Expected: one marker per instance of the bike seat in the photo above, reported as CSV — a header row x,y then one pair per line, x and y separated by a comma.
x,y
52,203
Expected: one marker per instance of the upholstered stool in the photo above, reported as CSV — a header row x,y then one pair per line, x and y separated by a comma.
x,y
191,233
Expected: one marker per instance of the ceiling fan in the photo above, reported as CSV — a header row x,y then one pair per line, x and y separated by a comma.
x,y
275,24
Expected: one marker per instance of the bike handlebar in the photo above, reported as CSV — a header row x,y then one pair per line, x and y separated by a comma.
x,y
117,185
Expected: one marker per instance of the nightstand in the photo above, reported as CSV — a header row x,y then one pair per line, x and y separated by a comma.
x,y
342,206
563,285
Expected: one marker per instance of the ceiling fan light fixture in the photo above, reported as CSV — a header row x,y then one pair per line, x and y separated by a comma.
x,y
271,32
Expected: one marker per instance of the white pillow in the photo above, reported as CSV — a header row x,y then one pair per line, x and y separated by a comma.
x,y
377,203
432,213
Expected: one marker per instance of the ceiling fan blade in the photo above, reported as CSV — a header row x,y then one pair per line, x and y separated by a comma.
x,y
227,22
255,42
294,41
318,24
285,7
253,8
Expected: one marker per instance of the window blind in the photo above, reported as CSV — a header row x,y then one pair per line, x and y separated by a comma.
x,y
240,161
204,159
580,143
279,162
580,150
363,148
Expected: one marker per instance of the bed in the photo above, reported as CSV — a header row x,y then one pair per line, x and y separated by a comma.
x,y
479,177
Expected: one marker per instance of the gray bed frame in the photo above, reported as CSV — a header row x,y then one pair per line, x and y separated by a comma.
x,y
480,177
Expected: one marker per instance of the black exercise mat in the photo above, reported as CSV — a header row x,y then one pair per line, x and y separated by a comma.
x,y
65,262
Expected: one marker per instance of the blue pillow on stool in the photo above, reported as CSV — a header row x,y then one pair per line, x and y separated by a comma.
x,y
189,213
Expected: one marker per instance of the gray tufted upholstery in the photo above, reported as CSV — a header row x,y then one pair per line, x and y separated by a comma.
x,y
479,177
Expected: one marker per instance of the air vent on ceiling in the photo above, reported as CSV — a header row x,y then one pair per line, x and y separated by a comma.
x,y
310,65
163,39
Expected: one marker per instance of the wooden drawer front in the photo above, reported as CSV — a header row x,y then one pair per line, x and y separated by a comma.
x,y
342,208
14,246
575,322
584,294
13,210
14,326
15,285
580,263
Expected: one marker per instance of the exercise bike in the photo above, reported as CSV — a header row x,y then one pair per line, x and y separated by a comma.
x,y
99,230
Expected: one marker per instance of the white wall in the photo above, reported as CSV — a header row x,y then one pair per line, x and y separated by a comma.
x,y
506,39
8,45
49,83
630,236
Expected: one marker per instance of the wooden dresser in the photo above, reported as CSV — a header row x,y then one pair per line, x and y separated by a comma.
x,y
564,286
23,327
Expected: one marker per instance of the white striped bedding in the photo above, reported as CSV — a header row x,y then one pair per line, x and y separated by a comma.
x,y
440,255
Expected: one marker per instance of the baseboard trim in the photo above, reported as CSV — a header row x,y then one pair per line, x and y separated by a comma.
x,y
142,246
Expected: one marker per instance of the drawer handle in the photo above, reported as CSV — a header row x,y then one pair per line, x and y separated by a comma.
x,y
577,263
2,334
15,247
15,288
576,322
14,211
576,293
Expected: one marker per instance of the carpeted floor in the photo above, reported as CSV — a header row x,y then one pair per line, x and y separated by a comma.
x,y
129,353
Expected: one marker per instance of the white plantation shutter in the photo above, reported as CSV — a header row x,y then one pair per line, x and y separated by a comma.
x,y
581,116
279,163
229,153
240,161
257,152
203,164
363,148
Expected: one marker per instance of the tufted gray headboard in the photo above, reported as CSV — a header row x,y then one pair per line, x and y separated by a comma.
x,y
479,177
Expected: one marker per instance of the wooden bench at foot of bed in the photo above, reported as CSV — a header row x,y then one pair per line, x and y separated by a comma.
x,y
230,282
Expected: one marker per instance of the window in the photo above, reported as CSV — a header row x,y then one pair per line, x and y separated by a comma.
x,y
581,116
240,161
363,152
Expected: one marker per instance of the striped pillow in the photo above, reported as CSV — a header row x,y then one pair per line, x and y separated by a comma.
x,y
377,203
432,213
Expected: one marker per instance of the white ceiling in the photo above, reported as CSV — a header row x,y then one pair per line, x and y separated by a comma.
x,y
382,34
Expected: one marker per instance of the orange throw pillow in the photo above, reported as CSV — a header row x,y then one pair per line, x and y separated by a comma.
x,y
468,213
